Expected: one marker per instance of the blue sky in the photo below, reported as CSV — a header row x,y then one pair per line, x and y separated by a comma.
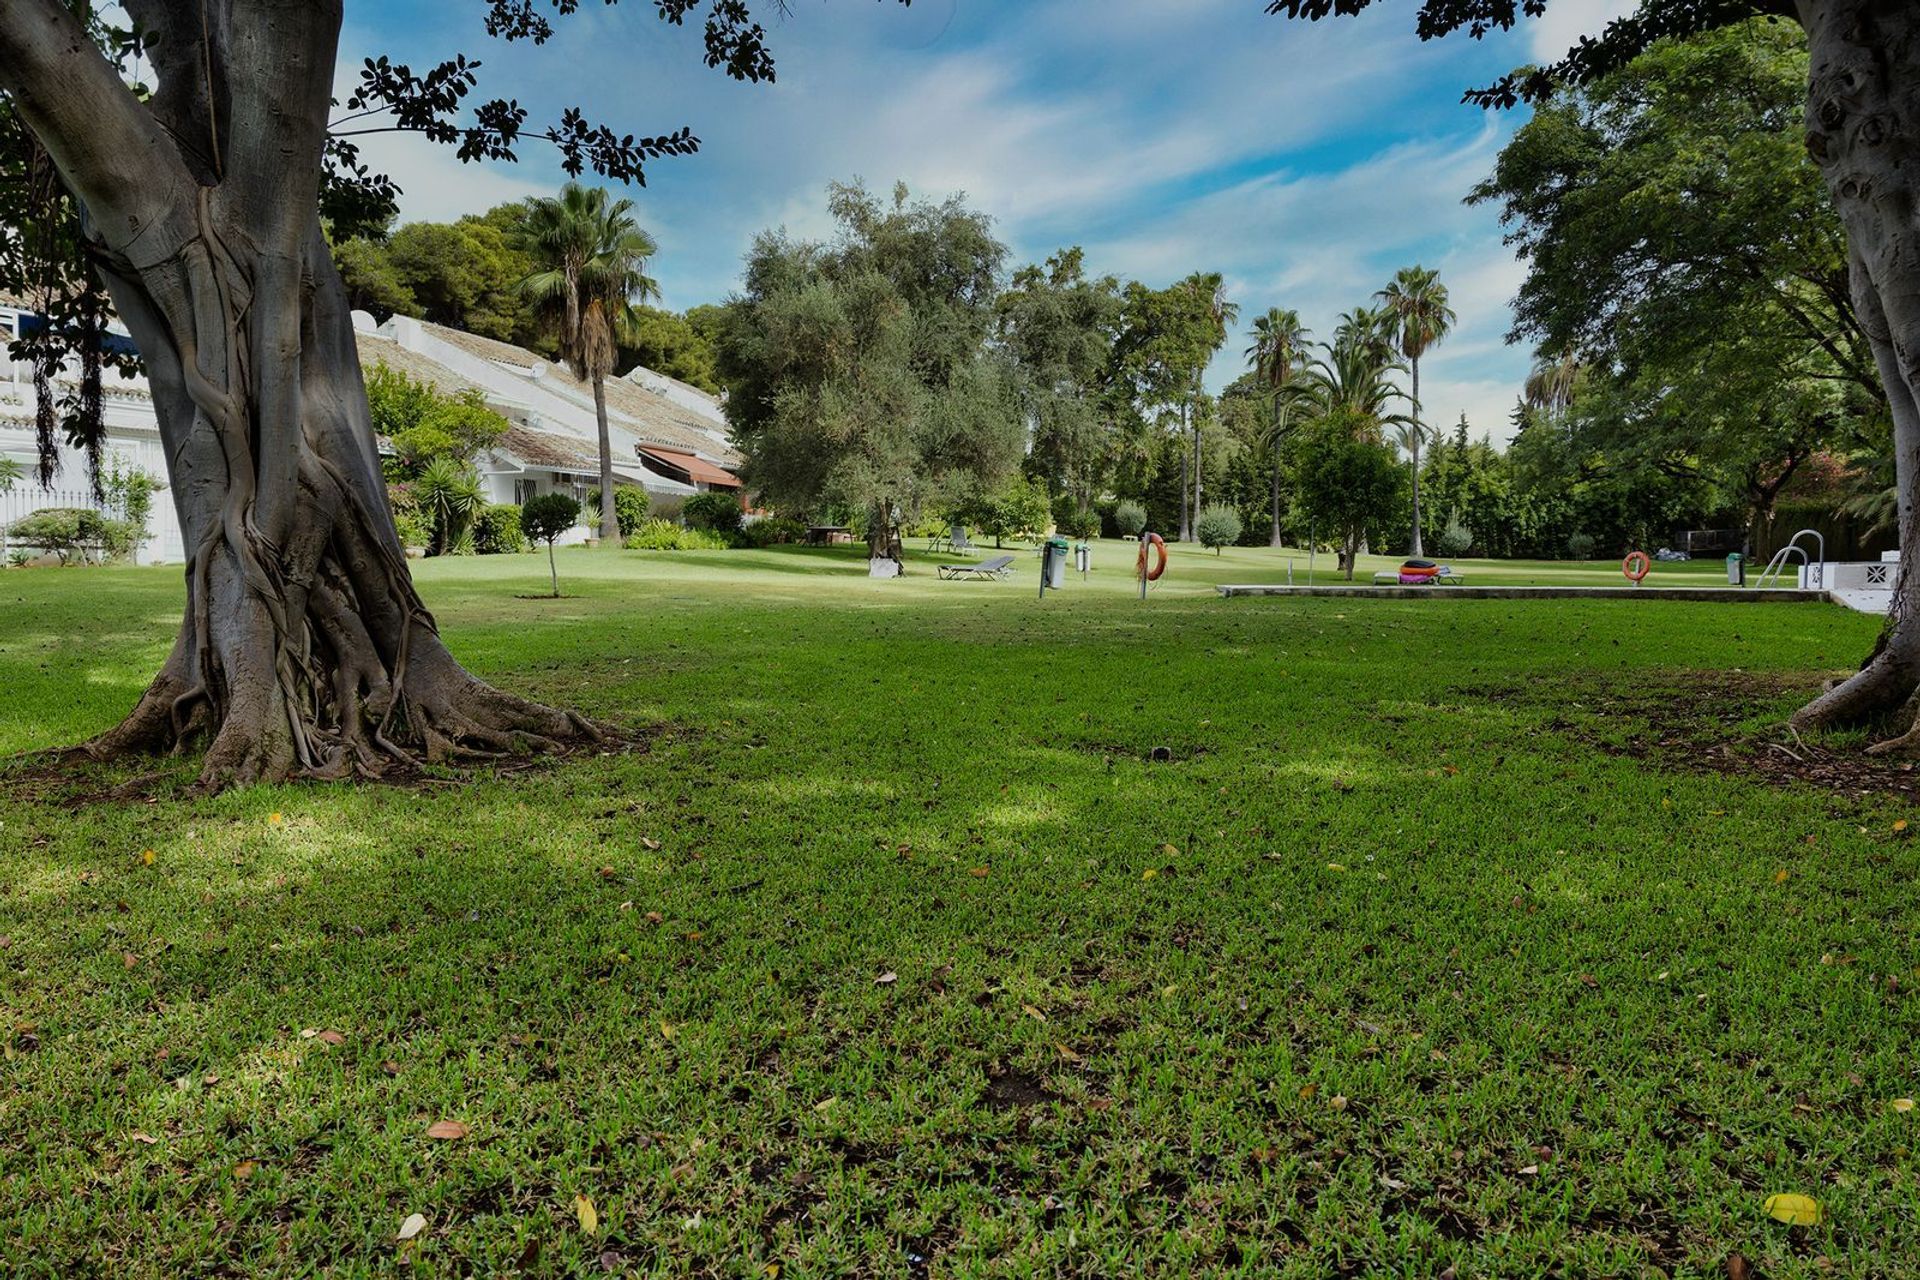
x,y
1305,162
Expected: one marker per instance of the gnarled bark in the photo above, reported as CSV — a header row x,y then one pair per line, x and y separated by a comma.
x,y
304,649
1863,130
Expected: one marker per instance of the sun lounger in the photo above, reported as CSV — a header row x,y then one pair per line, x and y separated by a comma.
x,y
998,567
1445,576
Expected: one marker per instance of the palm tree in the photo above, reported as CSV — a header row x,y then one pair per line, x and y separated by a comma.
x,y
1416,301
1550,386
1221,313
1276,354
1353,381
592,257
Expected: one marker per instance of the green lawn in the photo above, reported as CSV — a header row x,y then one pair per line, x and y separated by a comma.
x,y
895,954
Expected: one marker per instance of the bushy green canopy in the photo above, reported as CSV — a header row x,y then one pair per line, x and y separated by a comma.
x,y
859,370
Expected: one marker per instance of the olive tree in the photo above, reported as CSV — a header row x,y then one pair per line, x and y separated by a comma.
x,y
196,203
1863,132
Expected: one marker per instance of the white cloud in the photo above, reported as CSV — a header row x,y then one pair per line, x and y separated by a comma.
x,y
1560,28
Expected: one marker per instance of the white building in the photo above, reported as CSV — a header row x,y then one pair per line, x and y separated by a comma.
x,y
668,437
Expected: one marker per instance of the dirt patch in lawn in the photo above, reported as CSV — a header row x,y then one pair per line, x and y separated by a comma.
x,y
1726,722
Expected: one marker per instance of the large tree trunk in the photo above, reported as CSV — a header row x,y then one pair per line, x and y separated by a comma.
x,y
1863,129
304,649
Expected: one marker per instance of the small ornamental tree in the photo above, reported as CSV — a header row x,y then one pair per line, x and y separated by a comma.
x,y
544,518
1348,485
204,143
1218,526
1130,518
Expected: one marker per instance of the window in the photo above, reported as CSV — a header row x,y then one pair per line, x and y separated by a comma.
x,y
525,490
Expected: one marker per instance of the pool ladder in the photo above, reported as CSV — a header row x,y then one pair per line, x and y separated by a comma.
x,y
1816,568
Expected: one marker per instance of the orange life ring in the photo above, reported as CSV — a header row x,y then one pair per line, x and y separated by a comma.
x,y
1159,544
1636,566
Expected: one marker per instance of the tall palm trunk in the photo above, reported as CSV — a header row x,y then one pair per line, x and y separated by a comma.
x,y
1275,540
1186,460
609,515
1417,550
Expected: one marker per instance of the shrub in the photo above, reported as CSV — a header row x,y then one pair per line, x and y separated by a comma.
x,y
496,530
629,507
546,517
1130,518
1580,546
1083,523
1456,539
717,511
1218,526
774,532
74,533
668,509
660,535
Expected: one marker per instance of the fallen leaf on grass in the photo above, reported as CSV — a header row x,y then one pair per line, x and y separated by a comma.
x,y
330,1037
589,1216
144,1139
1338,1102
1067,1053
650,843
274,819
979,873
128,959
1899,825
413,1226
244,1170
611,1260
1169,850
654,917
1334,866
693,936
666,1030
1032,1012
1308,1090
886,979
825,1104
1795,1209
1903,1104
391,1067
1738,1268
447,1130
1780,876
1148,874
146,857
1528,1170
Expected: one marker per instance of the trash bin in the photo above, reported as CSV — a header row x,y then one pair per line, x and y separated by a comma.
x,y
1054,563
1736,570
1082,558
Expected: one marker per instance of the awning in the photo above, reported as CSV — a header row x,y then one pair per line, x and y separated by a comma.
x,y
693,465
